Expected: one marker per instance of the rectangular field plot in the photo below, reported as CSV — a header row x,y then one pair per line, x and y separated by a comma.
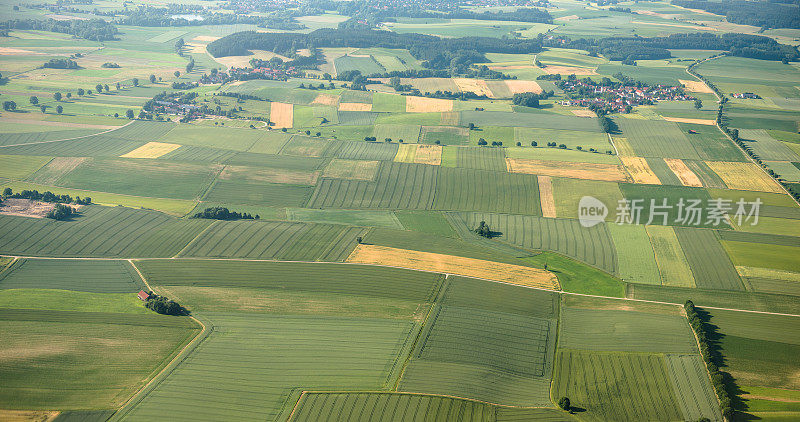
x,y
379,151
78,348
268,194
444,135
91,146
588,171
635,256
19,167
99,232
590,245
481,158
388,407
703,172
449,264
141,177
625,331
751,254
215,137
397,186
710,264
672,262
506,342
692,388
537,120
366,218
231,375
744,176
766,147
616,386
397,133
351,169
711,144
276,240
477,190
661,139
103,276
305,146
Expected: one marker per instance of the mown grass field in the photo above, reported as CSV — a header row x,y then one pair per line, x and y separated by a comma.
x,y
77,348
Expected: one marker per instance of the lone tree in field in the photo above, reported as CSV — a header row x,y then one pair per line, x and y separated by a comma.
x,y
57,96
118,86
135,81
9,105
152,79
81,92
129,114
69,95
34,100
59,109
43,108
564,403
99,88
177,73
359,239
698,104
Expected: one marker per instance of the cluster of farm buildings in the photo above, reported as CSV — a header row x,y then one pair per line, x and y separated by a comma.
x,y
264,72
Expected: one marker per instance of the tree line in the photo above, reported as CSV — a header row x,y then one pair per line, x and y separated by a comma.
x,y
434,52
46,196
92,29
222,213
652,48
766,14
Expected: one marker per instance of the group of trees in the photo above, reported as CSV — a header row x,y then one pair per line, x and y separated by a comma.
x,y
484,230
711,356
530,99
61,212
46,196
90,29
164,306
222,213
61,64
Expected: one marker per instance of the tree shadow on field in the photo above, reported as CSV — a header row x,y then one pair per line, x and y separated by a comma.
x,y
716,351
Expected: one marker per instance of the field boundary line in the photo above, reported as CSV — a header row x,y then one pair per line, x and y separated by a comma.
x,y
613,145
705,366
68,139
213,223
181,356
403,268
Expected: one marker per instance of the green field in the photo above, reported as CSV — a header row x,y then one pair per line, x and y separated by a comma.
x,y
616,386
77,348
636,259
105,276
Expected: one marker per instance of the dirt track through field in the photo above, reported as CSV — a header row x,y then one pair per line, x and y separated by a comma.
x,y
450,264
546,196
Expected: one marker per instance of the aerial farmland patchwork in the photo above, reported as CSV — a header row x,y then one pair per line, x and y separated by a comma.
x,y
371,210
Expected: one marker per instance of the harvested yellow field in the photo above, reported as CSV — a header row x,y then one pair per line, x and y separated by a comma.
x,y
583,113
406,153
744,176
517,86
282,114
151,150
355,107
512,67
198,48
427,105
640,171
589,171
569,70
684,173
450,264
478,86
326,99
624,148
567,18
450,118
707,122
428,154
696,86
351,169
546,196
